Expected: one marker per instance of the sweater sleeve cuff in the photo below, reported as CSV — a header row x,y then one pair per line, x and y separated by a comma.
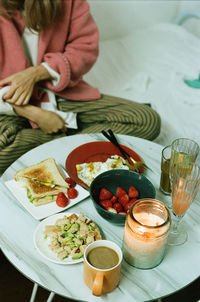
x,y
59,63
5,108
55,75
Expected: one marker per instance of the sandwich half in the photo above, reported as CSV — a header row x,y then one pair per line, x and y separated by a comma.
x,y
43,181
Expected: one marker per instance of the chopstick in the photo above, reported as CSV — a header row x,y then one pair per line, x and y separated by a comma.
x,y
111,137
135,165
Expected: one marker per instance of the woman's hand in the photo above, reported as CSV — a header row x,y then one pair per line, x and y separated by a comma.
x,y
22,84
49,122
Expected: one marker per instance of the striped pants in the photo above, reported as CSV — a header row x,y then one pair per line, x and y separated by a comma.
x,y
122,116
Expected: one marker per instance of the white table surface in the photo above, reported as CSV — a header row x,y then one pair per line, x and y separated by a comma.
x,y
180,266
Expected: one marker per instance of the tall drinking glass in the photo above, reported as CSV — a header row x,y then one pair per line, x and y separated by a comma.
x,y
164,176
186,183
183,150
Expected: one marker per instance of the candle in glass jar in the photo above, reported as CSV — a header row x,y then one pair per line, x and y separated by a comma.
x,y
149,219
145,234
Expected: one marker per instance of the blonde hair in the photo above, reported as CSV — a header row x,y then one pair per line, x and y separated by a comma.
x,y
39,14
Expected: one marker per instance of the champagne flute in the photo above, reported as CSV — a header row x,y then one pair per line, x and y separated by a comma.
x,y
183,150
186,183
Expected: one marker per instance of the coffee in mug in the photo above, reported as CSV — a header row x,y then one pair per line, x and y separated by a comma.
x,y
102,264
103,257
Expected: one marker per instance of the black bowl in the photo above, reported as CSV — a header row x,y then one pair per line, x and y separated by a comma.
x,y
112,179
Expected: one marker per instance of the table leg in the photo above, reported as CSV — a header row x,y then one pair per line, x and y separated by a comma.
x,y
51,297
34,292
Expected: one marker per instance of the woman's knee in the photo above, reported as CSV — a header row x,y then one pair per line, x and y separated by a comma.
x,y
153,124
146,122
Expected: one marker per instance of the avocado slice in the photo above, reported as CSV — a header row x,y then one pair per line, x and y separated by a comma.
x,y
77,256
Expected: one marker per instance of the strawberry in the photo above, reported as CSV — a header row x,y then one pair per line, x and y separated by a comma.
x,y
120,192
106,204
62,200
114,199
70,181
117,206
72,193
133,200
133,192
105,194
123,213
127,206
124,199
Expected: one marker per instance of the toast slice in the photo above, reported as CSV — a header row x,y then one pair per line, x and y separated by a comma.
x,y
37,189
43,181
46,172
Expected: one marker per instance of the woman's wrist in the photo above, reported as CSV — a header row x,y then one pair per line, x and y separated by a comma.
x,y
40,73
29,111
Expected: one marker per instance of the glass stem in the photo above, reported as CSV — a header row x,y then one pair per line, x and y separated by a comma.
x,y
176,222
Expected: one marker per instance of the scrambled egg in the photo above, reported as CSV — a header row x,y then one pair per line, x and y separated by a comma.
x,y
88,171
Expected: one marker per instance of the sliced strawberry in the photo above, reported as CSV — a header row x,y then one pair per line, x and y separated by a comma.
x,y
124,213
114,199
133,192
72,193
124,199
127,206
120,192
133,200
62,200
106,204
70,181
105,194
118,207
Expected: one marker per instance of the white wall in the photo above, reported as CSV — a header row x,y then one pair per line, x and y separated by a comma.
x,y
116,18
192,24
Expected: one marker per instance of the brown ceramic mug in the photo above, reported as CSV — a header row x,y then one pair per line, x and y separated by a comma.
x,y
102,280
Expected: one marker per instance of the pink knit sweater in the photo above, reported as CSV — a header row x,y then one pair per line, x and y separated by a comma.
x,y
70,47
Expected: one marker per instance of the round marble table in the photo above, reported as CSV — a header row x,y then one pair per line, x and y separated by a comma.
x,y
180,266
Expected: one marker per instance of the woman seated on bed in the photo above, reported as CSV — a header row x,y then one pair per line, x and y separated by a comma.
x,y
45,49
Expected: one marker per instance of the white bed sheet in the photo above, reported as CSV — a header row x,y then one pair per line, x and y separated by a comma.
x,y
150,65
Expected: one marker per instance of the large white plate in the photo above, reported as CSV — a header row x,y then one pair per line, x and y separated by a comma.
x,y
41,244
45,210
